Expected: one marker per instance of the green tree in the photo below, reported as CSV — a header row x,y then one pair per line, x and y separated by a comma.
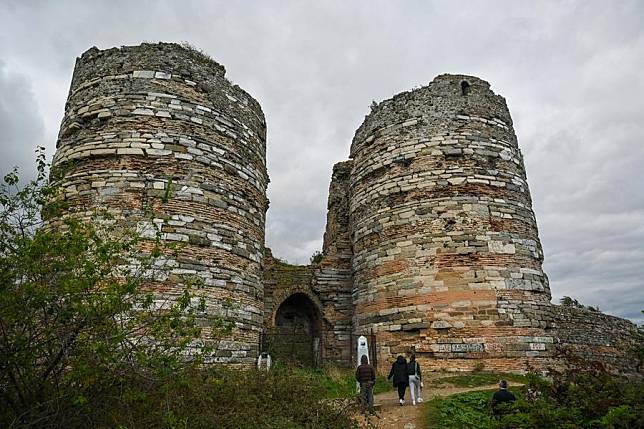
x,y
78,330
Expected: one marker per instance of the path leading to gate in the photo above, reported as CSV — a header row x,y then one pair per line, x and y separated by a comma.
x,y
390,415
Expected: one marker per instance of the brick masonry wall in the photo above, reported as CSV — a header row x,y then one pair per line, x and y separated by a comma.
x,y
441,220
332,276
158,136
327,283
591,336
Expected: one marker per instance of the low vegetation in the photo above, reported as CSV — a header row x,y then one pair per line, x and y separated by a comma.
x,y
589,400
341,382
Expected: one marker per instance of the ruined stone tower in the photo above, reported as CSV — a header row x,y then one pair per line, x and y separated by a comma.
x,y
157,135
442,224
430,245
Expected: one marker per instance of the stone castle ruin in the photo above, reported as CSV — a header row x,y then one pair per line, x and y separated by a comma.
x,y
431,243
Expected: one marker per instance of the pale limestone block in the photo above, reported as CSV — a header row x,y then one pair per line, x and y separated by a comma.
x,y
142,111
130,151
162,75
145,74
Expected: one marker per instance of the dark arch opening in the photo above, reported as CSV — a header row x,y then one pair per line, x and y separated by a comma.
x,y
298,314
298,331
465,87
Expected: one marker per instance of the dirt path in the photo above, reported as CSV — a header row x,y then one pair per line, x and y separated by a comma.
x,y
390,415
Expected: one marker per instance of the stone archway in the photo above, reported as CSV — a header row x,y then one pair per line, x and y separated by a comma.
x,y
297,330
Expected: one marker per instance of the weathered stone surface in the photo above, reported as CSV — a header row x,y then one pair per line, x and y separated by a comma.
x,y
327,282
431,242
135,154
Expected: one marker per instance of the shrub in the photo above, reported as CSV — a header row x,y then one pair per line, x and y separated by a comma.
x,y
589,400
229,399
77,328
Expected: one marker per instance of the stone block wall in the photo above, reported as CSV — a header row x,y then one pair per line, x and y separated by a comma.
x,y
431,242
333,280
158,136
326,283
441,222
584,337
593,337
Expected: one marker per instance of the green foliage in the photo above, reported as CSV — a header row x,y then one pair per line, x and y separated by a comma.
x,y
76,323
468,410
570,401
230,399
567,301
341,382
316,257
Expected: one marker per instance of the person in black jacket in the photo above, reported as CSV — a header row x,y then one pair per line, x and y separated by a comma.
x,y
366,376
400,377
502,396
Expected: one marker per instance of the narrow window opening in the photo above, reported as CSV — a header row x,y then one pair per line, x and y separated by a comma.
x,y
465,87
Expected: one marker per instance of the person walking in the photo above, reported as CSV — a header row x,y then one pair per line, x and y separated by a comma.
x,y
366,376
400,378
415,380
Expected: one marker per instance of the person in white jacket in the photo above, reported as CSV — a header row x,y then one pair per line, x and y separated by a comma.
x,y
264,361
415,380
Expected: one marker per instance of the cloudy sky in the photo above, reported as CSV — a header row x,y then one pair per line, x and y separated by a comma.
x,y
571,71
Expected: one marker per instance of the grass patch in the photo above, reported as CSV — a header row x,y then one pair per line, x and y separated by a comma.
x,y
571,400
341,382
464,410
477,379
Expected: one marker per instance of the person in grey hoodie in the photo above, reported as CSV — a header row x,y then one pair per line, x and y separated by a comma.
x,y
399,374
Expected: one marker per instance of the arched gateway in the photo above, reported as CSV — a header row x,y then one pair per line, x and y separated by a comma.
x,y
295,333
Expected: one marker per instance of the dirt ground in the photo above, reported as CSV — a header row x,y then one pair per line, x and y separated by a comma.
x,y
390,415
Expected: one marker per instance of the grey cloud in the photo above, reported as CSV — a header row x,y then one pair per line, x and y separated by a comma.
x,y
20,122
571,73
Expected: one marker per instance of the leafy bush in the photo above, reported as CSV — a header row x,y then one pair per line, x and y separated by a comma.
x,y
573,400
76,322
316,257
467,410
228,399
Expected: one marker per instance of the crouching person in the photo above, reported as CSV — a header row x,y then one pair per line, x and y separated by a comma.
x,y
501,399
366,377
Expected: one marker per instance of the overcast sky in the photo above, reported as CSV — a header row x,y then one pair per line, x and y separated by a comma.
x,y
571,71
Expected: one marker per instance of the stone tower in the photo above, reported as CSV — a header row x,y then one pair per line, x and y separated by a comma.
x,y
443,230
157,135
431,243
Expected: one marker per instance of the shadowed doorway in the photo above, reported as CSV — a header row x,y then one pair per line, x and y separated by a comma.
x,y
296,335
